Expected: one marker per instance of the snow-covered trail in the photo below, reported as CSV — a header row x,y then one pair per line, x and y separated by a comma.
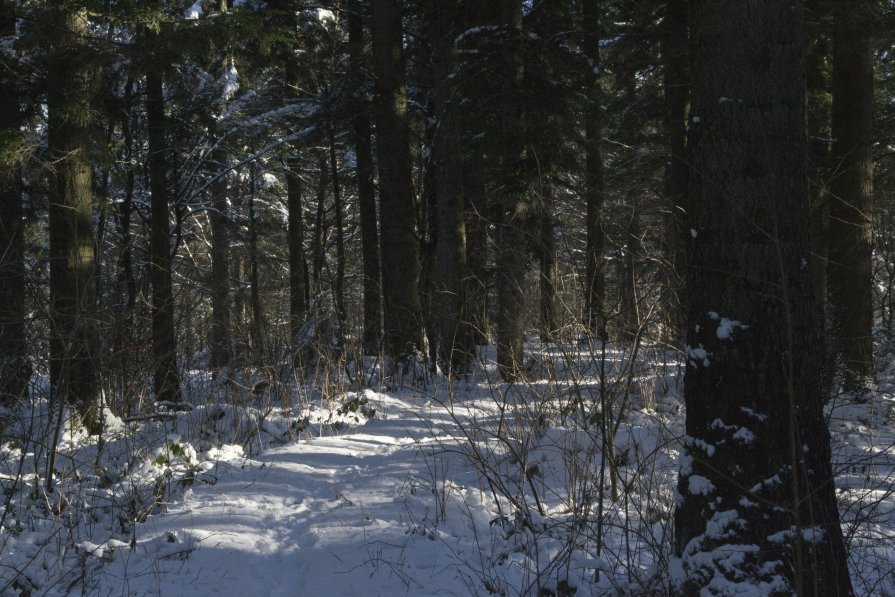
x,y
326,516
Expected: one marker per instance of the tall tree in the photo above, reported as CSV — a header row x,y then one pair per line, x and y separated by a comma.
x,y
757,505
358,52
74,341
15,368
455,331
676,86
594,277
399,244
850,269
219,284
511,258
298,272
164,338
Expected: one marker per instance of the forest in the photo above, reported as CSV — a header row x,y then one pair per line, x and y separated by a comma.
x,y
456,297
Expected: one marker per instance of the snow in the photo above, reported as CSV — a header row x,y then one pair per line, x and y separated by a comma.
x,y
699,485
373,492
195,11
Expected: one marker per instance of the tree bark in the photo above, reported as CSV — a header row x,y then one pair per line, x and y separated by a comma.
x,y
756,479
339,282
220,267
15,367
298,305
676,83
850,269
399,243
594,277
456,348
358,52
512,256
74,342
547,258
164,338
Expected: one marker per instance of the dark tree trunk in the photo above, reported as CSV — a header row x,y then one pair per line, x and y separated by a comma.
x,y
74,342
257,327
366,192
220,267
756,475
594,276
477,249
547,258
629,299
298,305
512,257
164,338
399,243
339,282
850,270
15,368
456,347
677,93
318,240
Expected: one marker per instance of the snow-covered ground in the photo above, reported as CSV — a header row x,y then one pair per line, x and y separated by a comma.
x,y
470,489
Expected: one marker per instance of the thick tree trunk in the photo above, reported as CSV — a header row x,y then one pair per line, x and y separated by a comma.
x,y
756,479
220,268
547,258
677,92
594,276
298,305
366,191
74,343
850,270
456,347
15,367
339,282
512,256
629,294
164,338
257,327
399,243
477,249
318,239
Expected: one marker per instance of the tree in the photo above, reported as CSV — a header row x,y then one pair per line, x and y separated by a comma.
x,y
15,368
164,338
676,94
511,258
594,278
358,52
74,344
399,245
456,337
757,506
850,268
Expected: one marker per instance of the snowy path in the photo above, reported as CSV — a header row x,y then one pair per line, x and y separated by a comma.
x,y
327,516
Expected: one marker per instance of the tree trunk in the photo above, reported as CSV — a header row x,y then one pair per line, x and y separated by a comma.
x,y
399,243
339,282
547,258
298,305
850,270
629,299
220,267
756,478
15,367
511,259
677,93
594,277
318,240
256,315
366,191
74,343
456,348
164,338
